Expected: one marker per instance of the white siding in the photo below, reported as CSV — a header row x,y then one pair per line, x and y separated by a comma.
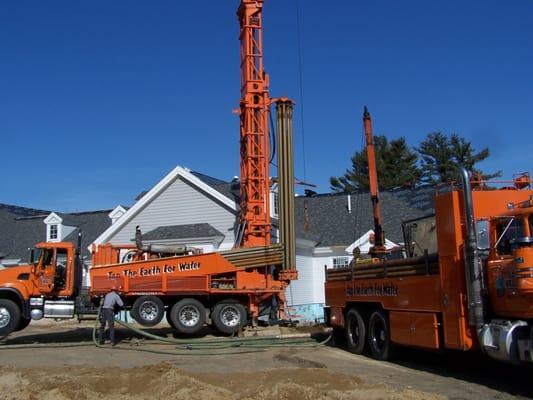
x,y
179,204
320,278
301,291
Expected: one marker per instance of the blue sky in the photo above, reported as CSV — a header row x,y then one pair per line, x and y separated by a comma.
x,y
100,99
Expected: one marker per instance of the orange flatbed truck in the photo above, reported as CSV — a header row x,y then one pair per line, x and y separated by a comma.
x,y
228,288
464,280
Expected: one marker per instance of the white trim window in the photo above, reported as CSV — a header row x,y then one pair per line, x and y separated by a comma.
x,y
341,262
53,232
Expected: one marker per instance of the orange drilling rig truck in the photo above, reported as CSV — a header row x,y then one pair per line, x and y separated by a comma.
x,y
463,280
228,288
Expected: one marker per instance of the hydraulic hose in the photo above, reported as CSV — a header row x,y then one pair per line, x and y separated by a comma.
x,y
196,347
188,353
262,342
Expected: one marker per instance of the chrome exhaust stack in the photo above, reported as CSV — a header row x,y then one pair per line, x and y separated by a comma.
x,y
473,263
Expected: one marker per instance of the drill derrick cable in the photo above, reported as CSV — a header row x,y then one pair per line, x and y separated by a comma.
x,y
300,84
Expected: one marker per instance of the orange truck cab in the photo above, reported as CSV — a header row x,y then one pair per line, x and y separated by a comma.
x,y
47,287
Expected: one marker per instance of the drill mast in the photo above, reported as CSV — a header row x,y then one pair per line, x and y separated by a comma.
x,y
254,139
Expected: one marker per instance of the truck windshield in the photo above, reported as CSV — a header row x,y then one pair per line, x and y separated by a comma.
x,y
510,230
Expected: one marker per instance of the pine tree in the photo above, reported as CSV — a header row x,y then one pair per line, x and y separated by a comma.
x,y
442,156
395,163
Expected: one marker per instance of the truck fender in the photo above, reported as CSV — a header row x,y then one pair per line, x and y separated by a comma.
x,y
15,295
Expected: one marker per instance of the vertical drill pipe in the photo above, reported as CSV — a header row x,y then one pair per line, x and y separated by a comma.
x,y
379,236
286,182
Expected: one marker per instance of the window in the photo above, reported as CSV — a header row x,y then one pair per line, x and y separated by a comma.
x,y
341,262
53,232
61,268
511,230
274,200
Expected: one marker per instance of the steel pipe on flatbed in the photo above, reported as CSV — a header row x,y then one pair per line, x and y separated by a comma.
x,y
255,257
416,265
385,274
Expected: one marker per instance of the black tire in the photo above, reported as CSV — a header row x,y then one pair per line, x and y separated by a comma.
x,y
23,323
169,319
229,316
381,347
188,316
355,331
148,310
9,317
338,336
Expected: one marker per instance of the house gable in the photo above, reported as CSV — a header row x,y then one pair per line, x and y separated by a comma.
x,y
180,198
365,244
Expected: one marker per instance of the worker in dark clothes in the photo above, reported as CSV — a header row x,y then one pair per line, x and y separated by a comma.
x,y
111,301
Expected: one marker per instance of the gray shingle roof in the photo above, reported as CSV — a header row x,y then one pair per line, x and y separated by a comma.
x,y
92,224
330,223
183,232
22,211
228,189
21,228
18,234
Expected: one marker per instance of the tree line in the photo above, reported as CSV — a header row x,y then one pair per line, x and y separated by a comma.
x,y
436,160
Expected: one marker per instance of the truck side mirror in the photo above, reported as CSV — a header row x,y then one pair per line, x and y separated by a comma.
x,y
482,234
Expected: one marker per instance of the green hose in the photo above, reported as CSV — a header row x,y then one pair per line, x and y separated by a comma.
x,y
196,347
217,344
188,353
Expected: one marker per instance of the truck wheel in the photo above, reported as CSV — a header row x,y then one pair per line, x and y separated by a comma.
x,y
168,316
9,317
148,310
23,323
188,316
355,332
228,316
379,341
338,336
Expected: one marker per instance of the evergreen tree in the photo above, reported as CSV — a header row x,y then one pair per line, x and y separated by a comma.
x,y
396,165
442,156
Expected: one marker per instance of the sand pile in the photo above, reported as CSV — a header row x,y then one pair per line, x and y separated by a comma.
x,y
164,381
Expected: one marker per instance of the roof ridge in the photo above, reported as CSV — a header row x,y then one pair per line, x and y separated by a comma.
x,y
14,208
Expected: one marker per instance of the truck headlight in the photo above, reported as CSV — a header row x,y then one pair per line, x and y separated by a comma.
x,y
36,301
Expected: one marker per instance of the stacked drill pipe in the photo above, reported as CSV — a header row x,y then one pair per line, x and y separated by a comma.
x,y
286,182
424,265
255,257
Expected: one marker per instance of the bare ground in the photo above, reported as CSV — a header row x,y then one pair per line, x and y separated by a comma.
x,y
59,361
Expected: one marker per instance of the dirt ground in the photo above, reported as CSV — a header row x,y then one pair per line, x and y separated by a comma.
x,y
59,361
